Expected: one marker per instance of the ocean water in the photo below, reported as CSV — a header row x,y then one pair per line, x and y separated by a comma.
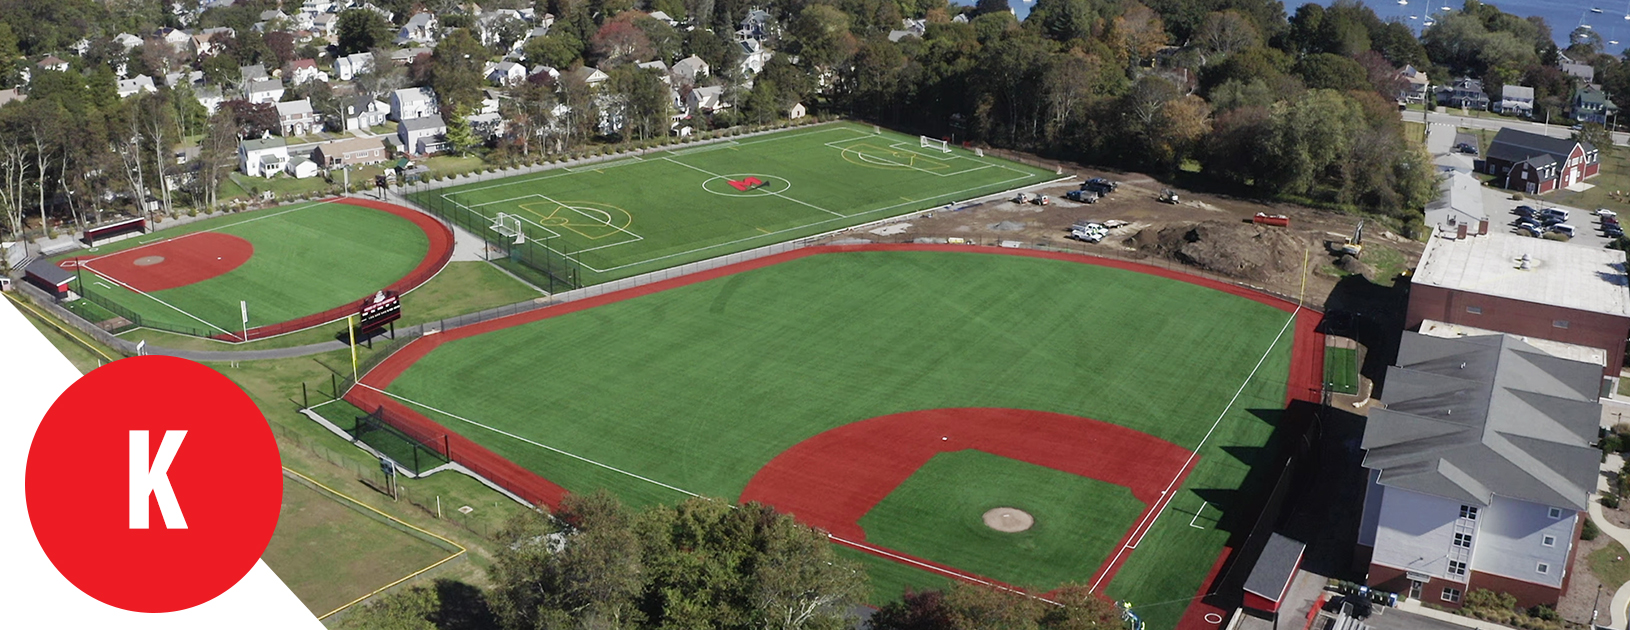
x,y
1562,15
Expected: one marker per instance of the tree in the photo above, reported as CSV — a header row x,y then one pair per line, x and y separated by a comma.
x,y
362,30
798,579
1596,135
619,41
1224,32
983,7
281,43
1335,72
665,41
252,119
217,154
1139,32
455,71
821,38
558,49
642,100
412,609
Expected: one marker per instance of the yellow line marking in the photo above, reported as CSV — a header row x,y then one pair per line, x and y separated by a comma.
x,y
763,230
461,550
599,171
909,200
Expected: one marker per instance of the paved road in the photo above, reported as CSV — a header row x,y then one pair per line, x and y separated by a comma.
x,y
1496,122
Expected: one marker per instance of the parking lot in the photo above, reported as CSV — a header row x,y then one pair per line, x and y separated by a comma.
x,y
1502,214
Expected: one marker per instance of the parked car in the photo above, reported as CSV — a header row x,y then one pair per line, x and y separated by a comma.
x,y
1466,148
1612,231
1528,223
1610,220
1562,228
1526,211
1524,230
1604,212
1554,212
1082,196
1100,185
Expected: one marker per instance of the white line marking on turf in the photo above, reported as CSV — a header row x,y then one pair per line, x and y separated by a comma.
x,y
534,443
150,297
703,170
1197,516
102,284
1147,523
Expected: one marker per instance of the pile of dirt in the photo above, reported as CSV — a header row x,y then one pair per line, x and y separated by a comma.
x,y
1005,226
1235,249
1351,264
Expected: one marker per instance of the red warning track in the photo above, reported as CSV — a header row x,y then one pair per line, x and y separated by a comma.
x,y
833,479
170,263
1307,364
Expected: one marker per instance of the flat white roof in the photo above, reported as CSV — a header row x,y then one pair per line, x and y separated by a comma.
x,y
1571,276
1569,351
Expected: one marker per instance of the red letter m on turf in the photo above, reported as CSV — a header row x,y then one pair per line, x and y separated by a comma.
x,y
154,480
743,185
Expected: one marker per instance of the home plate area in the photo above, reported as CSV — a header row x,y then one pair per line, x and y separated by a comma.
x,y
746,185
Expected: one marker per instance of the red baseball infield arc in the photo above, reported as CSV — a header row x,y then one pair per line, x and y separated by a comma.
x,y
200,256
1305,379
172,262
833,479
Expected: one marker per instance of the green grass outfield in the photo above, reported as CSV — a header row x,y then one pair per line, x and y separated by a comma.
x,y
641,214
308,258
700,386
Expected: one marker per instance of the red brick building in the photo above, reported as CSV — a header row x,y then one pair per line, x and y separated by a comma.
x,y
1525,286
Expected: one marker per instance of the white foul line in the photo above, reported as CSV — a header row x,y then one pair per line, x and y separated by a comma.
x,y
1197,515
1148,521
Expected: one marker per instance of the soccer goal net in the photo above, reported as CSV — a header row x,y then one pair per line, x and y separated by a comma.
x,y
931,143
508,226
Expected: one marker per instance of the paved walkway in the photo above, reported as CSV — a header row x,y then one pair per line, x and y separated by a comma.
x,y
1616,615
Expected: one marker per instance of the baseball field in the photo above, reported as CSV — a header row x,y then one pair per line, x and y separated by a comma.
x,y
639,214
301,264
1027,419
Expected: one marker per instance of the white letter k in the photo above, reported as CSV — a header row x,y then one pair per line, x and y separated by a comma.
x,y
154,480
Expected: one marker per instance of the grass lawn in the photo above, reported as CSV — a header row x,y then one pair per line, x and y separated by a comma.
x,y
1415,131
1611,565
463,287
1341,370
640,214
308,258
284,185
330,553
700,386
937,515
451,164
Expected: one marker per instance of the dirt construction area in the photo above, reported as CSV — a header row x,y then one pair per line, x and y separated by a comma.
x,y
1209,233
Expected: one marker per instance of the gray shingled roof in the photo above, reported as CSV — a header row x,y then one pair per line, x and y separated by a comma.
x,y
420,124
1513,145
1275,567
1474,417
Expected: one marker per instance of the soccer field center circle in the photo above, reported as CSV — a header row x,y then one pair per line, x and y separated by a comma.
x,y
188,261
726,185
1008,436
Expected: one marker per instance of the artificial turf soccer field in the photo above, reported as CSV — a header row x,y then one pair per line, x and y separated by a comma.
x,y
641,214
305,259
700,387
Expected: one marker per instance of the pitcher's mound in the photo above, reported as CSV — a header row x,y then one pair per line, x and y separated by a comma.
x,y
1006,519
148,261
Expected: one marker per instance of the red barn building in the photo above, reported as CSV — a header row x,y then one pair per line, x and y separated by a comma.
x,y
1536,164
1525,286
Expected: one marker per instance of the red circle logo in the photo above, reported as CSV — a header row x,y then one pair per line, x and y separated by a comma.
x,y
153,484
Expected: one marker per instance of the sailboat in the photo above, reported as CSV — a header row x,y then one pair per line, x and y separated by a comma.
x,y
1595,10
1403,2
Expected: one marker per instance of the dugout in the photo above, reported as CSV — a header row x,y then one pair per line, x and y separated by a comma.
x,y
48,276
115,229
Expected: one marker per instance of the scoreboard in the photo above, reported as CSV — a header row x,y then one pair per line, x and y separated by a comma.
x,y
381,309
